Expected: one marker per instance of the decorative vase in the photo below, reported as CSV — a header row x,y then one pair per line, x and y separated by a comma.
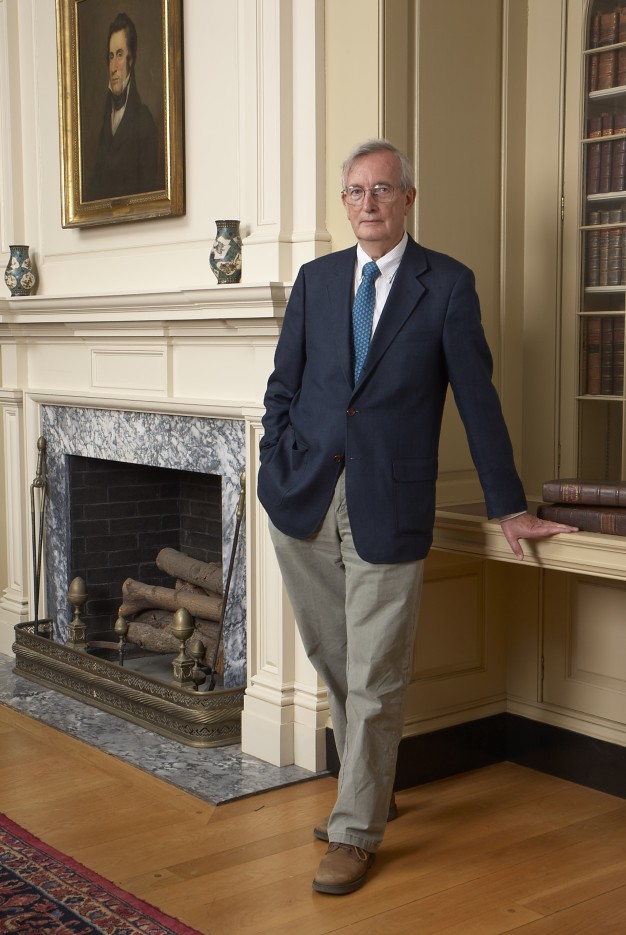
x,y
19,275
225,256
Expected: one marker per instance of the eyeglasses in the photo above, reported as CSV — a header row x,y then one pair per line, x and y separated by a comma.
x,y
381,193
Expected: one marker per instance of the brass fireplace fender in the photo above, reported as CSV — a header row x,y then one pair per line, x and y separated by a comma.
x,y
195,718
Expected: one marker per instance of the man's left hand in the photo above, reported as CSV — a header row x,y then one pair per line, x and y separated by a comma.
x,y
527,526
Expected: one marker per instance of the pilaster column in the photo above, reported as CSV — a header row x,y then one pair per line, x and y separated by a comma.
x,y
286,708
14,606
282,137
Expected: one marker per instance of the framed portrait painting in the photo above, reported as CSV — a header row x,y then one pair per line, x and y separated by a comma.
x,y
120,110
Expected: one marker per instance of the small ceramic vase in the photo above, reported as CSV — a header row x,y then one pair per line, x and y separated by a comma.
x,y
225,256
19,274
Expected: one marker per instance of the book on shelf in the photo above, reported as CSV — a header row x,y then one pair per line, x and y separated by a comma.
x,y
606,356
594,42
618,166
584,492
608,520
621,53
607,61
606,154
593,351
618,356
602,355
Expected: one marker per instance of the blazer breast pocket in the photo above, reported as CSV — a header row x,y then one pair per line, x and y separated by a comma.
x,y
426,336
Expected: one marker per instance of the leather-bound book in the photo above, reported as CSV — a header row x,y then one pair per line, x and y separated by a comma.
x,y
618,154
621,53
585,492
607,61
618,356
606,356
592,258
594,42
604,257
594,355
608,520
606,154
582,359
594,132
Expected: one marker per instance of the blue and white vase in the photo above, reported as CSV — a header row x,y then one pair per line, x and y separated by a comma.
x,y
19,275
225,256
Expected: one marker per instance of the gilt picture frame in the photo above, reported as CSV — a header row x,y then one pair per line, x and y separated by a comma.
x,y
121,122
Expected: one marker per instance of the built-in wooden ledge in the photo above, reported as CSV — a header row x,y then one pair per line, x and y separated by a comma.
x,y
464,528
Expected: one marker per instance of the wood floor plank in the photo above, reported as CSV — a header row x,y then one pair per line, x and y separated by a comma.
x,y
503,849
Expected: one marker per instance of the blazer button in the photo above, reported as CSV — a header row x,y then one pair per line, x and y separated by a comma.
x,y
337,458
352,411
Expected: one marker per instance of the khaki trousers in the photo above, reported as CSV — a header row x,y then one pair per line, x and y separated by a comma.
x,y
357,622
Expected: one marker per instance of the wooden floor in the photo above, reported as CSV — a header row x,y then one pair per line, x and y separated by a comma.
x,y
502,849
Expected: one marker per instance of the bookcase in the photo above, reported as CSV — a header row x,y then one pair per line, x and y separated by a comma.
x,y
600,398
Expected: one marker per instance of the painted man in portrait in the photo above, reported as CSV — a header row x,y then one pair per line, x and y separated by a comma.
x,y
127,158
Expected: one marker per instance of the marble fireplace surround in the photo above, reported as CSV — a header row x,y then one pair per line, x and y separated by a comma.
x,y
203,445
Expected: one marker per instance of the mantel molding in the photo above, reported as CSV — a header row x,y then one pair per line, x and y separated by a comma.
x,y
233,301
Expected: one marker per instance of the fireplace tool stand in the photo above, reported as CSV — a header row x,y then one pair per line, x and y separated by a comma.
x,y
38,492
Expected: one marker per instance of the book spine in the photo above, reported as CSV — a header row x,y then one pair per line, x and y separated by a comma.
x,y
583,357
592,258
594,355
606,154
606,356
604,257
594,131
611,522
618,360
618,164
614,258
594,42
587,493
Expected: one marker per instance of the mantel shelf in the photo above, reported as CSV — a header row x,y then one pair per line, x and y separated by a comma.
x,y
463,529
231,301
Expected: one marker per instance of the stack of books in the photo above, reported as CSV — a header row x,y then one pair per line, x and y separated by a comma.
x,y
591,506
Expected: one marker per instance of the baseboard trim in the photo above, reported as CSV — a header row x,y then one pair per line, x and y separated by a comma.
x,y
578,758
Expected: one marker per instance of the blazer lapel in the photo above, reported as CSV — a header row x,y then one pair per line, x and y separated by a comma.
x,y
406,292
339,292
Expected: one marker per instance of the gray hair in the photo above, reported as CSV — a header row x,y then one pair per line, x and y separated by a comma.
x,y
378,146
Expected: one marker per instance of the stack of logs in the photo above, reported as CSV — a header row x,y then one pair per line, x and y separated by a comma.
x,y
150,609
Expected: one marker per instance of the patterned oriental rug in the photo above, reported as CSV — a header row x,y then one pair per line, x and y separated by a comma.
x,y
44,892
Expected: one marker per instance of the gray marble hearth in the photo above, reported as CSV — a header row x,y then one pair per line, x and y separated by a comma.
x,y
215,774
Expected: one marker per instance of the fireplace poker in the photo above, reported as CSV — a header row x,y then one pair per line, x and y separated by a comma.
x,y
39,484
233,551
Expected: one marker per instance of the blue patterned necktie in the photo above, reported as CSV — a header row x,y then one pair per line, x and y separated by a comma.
x,y
362,315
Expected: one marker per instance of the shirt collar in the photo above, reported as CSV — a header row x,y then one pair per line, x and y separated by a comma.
x,y
388,264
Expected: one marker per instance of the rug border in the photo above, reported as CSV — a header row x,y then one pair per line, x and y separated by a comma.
x,y
160,917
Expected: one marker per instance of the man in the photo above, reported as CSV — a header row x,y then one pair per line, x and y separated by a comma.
x,y
348,471
127,154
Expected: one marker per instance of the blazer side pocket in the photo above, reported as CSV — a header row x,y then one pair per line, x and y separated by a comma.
x,y
414,494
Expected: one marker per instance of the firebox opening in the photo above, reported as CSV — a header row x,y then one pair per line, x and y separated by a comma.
x,y
123,514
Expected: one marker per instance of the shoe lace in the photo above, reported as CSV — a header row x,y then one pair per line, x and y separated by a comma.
x,y
350,849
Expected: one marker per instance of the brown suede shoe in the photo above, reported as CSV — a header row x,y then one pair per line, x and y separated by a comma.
x,y
321,830
343,869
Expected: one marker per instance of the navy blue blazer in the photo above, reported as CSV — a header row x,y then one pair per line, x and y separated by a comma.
x,y
384,432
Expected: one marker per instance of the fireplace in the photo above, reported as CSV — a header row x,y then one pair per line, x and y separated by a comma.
x,y
123,514
183,459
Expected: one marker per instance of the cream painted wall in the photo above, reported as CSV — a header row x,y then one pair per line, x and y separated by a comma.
x,y
353,112
457,122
